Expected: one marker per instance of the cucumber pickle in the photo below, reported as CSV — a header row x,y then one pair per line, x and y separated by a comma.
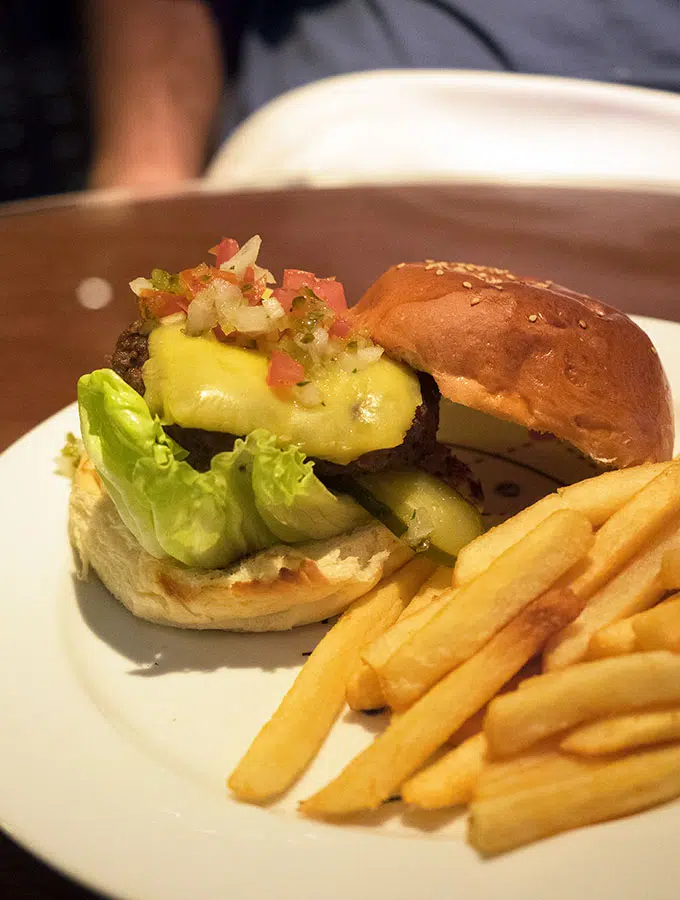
x,y
400,498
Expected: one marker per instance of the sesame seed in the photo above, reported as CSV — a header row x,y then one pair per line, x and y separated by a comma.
x,y
439,272
467,284
582,323
475,301
533,317
400,265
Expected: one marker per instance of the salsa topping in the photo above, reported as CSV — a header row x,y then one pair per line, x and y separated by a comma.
x,y
299,326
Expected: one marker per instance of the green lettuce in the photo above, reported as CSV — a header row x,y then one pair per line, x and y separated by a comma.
x,y
257,495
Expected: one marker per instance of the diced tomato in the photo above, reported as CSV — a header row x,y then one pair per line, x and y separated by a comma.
x,y
219,275
224,251
197,279
220,335
332,292
327,289
285,296
157,304
254,295
340,328
284,370
253,289
298,278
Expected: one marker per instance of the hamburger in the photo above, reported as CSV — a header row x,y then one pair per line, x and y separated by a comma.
x,y
259,456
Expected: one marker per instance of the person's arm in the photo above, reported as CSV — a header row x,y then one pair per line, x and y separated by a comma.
x,y
158,80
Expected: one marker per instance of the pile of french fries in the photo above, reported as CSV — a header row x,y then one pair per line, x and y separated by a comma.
x,y
538,682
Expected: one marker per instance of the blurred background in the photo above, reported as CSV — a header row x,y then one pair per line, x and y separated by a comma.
x,y
152,74
44,127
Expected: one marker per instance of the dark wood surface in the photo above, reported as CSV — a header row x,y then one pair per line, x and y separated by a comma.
x,y
621,247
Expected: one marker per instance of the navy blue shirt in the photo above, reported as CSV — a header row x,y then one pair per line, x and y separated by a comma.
x,y
275,45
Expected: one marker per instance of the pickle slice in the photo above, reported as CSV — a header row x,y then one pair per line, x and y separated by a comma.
x,y
433,517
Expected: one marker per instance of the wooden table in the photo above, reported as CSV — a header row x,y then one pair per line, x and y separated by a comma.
x,y
621,247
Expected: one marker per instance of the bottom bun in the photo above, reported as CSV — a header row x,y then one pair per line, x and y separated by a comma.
x,y
274,590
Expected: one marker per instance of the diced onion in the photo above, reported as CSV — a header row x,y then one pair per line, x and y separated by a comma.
x,y
347,361
250,319
201,316
141,284
227,299
173,318
320,342
307,394
274,309
264,273
355,361
246,256
319,347
368,355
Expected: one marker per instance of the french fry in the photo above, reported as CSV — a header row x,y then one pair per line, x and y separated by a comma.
x,y
380,770
616,639
659,628
477,556
382,648
670,569
439,581
363,688
291,738
527,771
587,691
629,529
450,780
600,497
478,610
636,588
596,498
475,723
624,733
636,782
471,726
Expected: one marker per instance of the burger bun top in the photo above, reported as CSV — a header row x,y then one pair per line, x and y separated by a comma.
x,y
531,352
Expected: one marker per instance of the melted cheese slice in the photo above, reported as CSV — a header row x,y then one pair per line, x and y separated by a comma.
x,y
202,383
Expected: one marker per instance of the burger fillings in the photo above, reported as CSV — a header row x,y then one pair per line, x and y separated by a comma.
x,y
285,388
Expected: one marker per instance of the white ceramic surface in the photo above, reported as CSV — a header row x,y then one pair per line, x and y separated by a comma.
x,y
421,125
116,737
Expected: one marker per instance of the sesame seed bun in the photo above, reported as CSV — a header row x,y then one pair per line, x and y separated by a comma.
x,y
530,352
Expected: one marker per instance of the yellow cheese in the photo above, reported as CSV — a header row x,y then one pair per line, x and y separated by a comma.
x,y
197,382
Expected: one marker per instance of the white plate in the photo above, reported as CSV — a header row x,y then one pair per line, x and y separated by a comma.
x,y
116,737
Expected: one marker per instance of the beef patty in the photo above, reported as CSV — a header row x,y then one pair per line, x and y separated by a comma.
x,y
419,447
132,351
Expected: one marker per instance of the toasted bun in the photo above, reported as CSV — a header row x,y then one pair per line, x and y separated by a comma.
x,y
530,352
272,591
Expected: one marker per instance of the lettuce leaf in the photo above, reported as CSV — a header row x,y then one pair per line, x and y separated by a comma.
x,y
257,495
